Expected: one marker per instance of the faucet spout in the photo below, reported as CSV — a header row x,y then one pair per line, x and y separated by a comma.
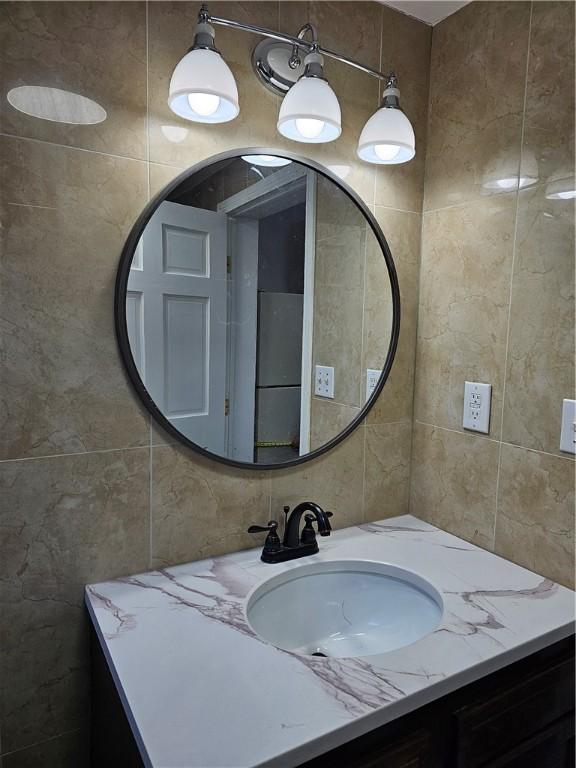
x,y
292,530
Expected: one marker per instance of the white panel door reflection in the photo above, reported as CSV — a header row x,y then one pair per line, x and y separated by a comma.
x,y
177,315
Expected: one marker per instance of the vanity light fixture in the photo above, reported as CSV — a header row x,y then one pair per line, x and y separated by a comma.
x,y
202,89
388,136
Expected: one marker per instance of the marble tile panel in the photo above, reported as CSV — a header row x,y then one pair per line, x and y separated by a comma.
x,y
66,215
535,520
548,137
387,470
453,483
97,50
477,76
463,316
540,361
64,521
334,480
328,419
402,232
406,45
201,508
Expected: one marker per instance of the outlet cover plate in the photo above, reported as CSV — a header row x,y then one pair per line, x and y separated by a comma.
x,y
372,379
477,397
568,432
324,381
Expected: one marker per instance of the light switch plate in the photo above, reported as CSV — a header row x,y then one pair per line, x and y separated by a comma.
x,y
477,399
324,381
372,379
568,432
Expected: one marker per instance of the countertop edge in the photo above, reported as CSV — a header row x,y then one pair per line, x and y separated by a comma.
x,y
117,684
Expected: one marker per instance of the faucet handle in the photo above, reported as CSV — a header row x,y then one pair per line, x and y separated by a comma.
x,y
272,543
308,535
272,525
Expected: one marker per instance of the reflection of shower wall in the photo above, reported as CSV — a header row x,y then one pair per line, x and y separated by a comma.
x,y
352,309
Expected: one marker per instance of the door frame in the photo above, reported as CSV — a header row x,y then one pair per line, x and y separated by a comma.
x,y
272,191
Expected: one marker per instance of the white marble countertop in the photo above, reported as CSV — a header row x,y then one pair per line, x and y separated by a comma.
x,y
202,690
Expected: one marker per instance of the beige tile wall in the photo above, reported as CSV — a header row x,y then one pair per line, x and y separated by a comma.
x,y
497,283
89,489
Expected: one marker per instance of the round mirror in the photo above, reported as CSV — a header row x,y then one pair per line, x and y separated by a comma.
x,y
257,308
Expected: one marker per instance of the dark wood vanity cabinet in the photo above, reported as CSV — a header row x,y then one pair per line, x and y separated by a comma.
x,y
519,717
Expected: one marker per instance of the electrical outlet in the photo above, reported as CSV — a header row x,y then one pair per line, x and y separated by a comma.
x,y
568,432
324,381
372,379
477,398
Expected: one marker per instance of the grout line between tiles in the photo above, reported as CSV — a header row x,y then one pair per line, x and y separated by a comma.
x,y
75,149
537,450
42,741
415,353
419,281
150,420
150,496
76,453
477,435
510,292
398,210
148,98
374,182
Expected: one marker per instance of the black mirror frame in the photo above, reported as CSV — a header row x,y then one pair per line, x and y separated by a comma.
x,y
122,284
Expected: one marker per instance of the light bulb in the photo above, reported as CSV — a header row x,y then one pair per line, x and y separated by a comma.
x,y
203,103
309,128
386,151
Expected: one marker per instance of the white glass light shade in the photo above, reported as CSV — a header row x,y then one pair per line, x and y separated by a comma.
x,y
387,138
310,112
203,89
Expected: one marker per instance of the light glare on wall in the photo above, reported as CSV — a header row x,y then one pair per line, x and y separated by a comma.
x,y
561,189
266,161
56,105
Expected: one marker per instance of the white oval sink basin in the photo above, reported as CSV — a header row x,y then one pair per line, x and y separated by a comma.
x,y
344,608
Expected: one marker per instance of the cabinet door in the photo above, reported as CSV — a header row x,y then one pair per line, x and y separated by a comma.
x,y
411,751
491,728
552,748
